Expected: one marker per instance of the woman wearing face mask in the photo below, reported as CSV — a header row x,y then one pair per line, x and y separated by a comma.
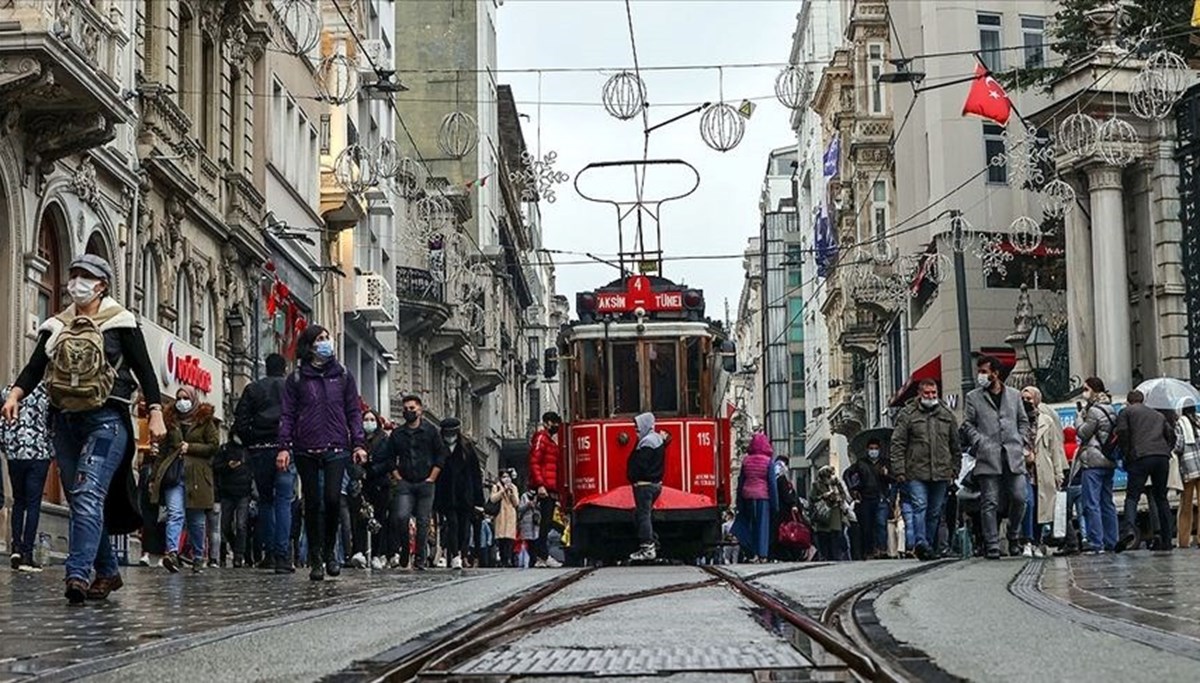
x,y
1095,420
459,491
183,481
359,489
320,423
505,525
1048,462
90,414
867,480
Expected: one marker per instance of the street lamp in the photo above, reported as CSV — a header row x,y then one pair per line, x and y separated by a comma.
x,y
1040,345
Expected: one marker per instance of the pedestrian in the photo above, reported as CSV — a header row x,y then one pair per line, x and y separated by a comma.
x,y
235,485
998,429
377,491
787,511
867,480
1095,422
544,455
320,423
505,493
527,525
89,400
644,471
925,457
755,498
1147,438
1047,468
1187,450
153,532
413,457
827,504
26,445
256,422
459,491
184,479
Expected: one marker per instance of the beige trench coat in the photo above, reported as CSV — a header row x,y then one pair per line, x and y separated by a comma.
x,y
1050,458
505,524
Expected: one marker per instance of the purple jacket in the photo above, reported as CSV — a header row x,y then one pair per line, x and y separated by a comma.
x,y
320,409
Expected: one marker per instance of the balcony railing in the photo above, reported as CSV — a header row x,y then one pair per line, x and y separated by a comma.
x,y
414,284
373,298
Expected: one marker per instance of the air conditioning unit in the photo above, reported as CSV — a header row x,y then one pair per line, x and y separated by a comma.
x,y
375,52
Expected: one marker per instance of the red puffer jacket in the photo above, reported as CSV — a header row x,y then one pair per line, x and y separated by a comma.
x,y
543,461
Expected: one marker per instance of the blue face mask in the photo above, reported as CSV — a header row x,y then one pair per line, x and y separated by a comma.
x,y
323,349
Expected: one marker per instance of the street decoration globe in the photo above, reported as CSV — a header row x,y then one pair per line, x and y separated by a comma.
x,y
355,169
302,20
337,79
722,127
624,95
1149,97
1058,198
1117,142
389,157
1172,70
1077,134
789,86
458,135
1025,235
433,215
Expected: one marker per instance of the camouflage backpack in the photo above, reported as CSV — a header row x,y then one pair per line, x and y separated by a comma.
x,y
79,377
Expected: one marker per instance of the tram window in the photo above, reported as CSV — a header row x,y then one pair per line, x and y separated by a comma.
x,y
664,377
593,380
626,375
694,390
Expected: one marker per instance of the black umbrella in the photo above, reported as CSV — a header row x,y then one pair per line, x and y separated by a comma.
x,y
858,445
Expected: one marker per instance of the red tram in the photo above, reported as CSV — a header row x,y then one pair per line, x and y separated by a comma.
x,y
644,344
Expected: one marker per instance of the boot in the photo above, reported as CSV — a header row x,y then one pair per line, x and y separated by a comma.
x,y
283,565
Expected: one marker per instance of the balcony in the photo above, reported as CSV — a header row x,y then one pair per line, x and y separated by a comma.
x,y
56,61
421,301
374,299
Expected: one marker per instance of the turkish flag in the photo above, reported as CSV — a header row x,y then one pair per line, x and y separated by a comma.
x,y
987,98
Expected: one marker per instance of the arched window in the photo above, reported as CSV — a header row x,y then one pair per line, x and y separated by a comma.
x,y
209,318
96,245
50,289
183,306
150,286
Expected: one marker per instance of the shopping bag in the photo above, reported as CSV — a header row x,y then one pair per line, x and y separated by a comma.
x,y
1060,515
895,531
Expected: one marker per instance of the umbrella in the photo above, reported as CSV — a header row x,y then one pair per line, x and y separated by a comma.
x,y
1168,393
858,445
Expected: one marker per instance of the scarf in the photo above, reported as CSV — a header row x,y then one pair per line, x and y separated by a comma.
x,y
1188,429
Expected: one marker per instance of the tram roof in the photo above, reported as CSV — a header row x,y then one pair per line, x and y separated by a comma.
x,y
650,330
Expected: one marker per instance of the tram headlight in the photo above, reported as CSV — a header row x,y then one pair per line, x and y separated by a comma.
x,y
693,298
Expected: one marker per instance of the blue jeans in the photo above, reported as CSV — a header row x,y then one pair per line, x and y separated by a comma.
x,y
1030,509
1099,511
174,498
28,479
409,498
872,513
927,499
89,448
276,491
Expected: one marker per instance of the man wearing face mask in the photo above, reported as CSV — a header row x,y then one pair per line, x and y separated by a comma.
x,y
414,457
997,426
925,455
90,414
868,479
459,491
544,455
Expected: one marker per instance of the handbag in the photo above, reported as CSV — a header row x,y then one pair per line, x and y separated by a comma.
x,y
895,532
794,533
173,474
1060,515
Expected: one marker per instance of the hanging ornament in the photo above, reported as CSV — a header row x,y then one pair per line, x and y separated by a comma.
x,y
1117,142
471,317
992,255
722,127
895,290
408,174
537,178
884,253
790,86
433,215
388,159
961,234
624,95
302,20
1058,198
1026,155
1025,235
1077,134
936,268
337,79
458,135
1171,70
356,169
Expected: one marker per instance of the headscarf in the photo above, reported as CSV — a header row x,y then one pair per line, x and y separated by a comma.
x,y
760,444
647,437
192,396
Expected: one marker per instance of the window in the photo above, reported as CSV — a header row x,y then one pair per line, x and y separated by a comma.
x,y
993,152
874,71
799,424
664,377
278,125
149,286
626,379
796,319
795,261
209,98
989,42
695,393
798,375
1044,269
879,207
208,315
1033,34
185,70
183,306
237,119
50,288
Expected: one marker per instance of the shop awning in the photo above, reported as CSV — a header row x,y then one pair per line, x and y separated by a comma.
x,y
931,370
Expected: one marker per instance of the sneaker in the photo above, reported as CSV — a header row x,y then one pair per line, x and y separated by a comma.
x,y
1126,541
1042,551
456,563
332,568
540,564
553,563
394,562
76,592
15,560
103,585
145,560
238,563
1028,551
922,553
171,562
213,564
198,568
993,554
419,566
378,563
30,565
358,561
646,553
440,563
317,573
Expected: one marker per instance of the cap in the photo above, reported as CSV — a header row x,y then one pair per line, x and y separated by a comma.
x,y
451,424
95,265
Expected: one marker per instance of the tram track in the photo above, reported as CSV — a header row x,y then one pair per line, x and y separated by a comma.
x,y
834,641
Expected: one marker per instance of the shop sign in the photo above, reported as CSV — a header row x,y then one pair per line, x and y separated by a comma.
x,y
179,364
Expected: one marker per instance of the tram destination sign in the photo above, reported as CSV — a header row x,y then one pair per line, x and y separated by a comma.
x,y
638,294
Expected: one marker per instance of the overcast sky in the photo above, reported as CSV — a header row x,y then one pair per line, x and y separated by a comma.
x,y
723,212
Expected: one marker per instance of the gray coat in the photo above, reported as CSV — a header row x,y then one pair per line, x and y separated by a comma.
x,y
994,434
1092,429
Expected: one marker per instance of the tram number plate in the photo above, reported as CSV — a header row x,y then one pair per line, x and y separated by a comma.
x,y
658,301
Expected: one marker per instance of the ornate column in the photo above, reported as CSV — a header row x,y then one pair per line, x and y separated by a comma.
x,y
1081,309
1114,354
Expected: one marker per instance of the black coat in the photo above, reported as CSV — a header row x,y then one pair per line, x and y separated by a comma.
x,y
412,452
234,478
646,464
256,417
460,485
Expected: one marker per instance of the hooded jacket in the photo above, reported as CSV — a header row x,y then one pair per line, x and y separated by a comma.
x,y
757,476
544,454
1093,427
645,465
320,410
256,417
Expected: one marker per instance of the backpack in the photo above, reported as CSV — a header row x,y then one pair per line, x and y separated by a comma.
x,y
1111,448
79,377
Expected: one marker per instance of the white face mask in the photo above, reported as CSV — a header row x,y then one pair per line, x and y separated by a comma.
x,y
929,402
873,453
183,405
82,290
983,380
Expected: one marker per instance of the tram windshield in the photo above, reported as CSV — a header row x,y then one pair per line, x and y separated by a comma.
x,y
669,377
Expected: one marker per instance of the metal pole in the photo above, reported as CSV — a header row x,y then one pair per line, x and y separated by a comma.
x,y
960,296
